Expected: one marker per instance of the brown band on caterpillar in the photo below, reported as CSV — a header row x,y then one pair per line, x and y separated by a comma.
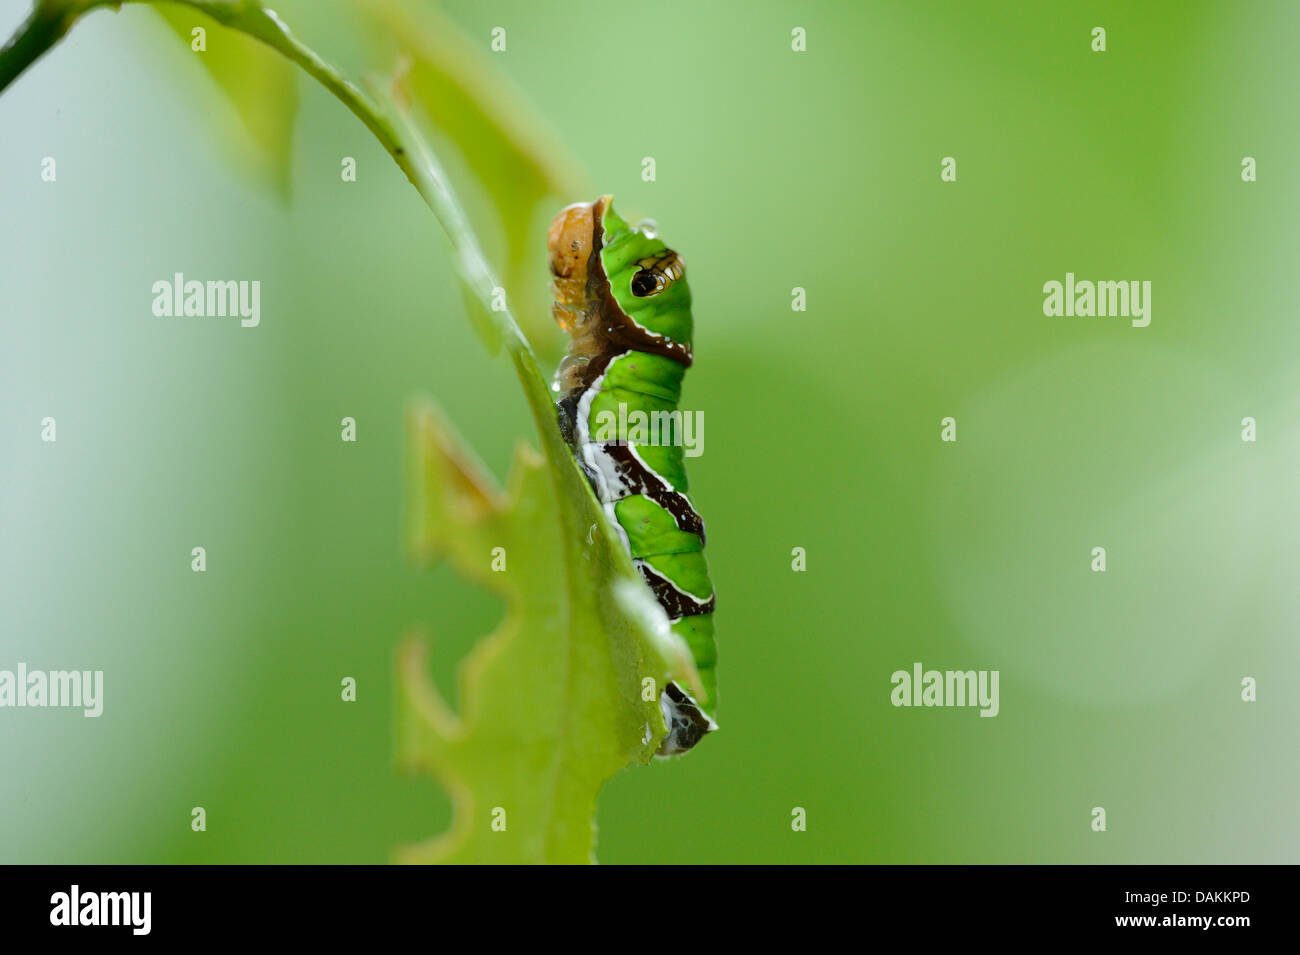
x,y
584,305
642,480
675,603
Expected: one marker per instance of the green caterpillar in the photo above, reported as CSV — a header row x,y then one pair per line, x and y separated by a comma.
x,y
622,295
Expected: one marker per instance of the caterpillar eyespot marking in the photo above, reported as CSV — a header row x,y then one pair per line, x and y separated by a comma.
x,y
656,273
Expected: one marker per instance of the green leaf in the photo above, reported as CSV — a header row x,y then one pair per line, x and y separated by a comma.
x,y
552,702
517,164
261,88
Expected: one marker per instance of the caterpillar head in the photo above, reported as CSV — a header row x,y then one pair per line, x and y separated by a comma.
x,y
571,239
618,282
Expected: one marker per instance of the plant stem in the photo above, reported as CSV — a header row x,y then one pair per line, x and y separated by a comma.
x,y
47,24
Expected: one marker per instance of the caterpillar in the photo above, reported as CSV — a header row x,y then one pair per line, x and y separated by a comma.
x,y
622,296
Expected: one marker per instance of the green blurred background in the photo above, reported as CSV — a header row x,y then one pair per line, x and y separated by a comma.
x,y
775,169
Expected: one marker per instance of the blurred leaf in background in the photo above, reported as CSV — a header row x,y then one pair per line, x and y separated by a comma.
x,y
260,86
510,168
